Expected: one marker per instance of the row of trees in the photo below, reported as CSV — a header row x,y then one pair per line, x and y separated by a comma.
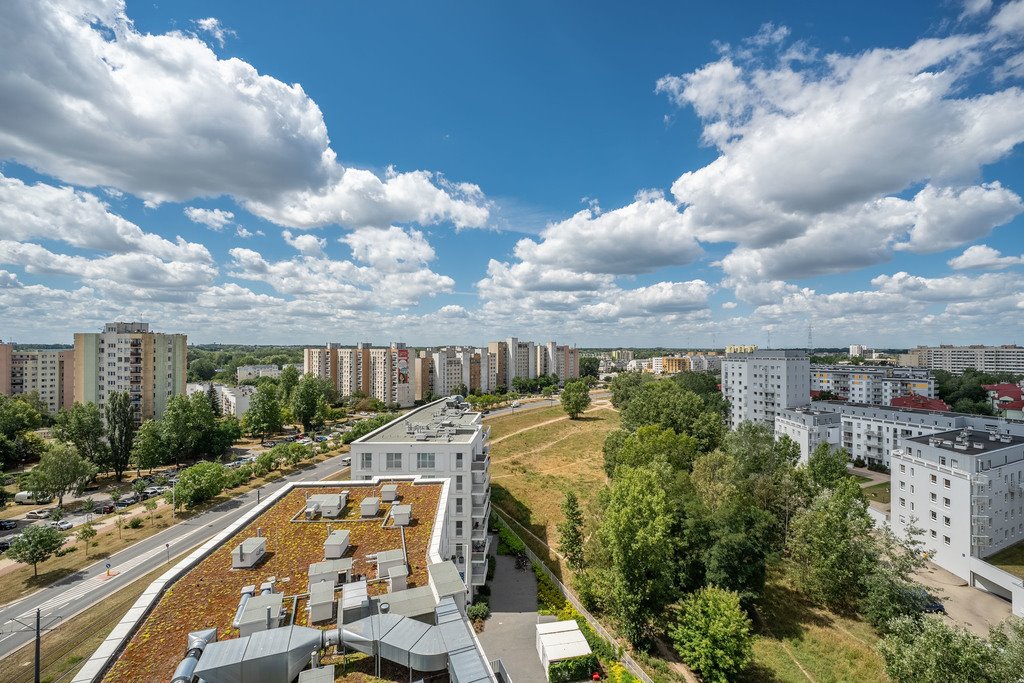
x,y
965,393
18,417
307,401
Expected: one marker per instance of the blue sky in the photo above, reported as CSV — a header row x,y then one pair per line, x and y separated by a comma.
x,y
596,173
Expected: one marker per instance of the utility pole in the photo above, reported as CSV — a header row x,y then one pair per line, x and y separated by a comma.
x,y
38,629
38,639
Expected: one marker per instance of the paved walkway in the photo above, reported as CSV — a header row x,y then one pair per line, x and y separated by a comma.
x,y
972,608
511,633
875,477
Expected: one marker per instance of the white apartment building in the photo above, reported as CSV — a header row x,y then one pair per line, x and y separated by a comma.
x,y
705,362
443,439
872,384
858,350
48,373
965,487
231,400
759,384
808,428
560,360
385,373
256,371
522,360
1008,358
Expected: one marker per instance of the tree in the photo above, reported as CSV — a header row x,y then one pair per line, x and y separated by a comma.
x,y
715,476
120,418
662,403
199,483
309,403
148,448
589,366
264,414
17,417
548,391
651,442
575,399
213,396
287,381
178,428
60,471
712,634
570,532
827,465
36,544
82,426
150,505
929,651
201,370
85,534
831,546
625,384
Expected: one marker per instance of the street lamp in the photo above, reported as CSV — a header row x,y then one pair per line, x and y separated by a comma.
x,y
38,628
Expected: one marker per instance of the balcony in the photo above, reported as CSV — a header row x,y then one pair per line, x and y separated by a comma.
x,y
481,463
479,533
481,481
481,548
480,498
478,574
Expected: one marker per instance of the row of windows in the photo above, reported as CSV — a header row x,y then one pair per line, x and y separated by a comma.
x,y
394,461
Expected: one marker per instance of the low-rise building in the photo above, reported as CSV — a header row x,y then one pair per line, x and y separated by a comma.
x,y
244,372
808,428
230,400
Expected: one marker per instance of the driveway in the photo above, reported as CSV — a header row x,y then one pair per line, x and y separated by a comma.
x,y
972,608
511,633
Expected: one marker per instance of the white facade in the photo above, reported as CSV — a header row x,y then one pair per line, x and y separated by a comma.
x,y
231,400
440,440
858,350
872,384
385,373
965,487
256,371
522,360
1009,358
758,385
808,428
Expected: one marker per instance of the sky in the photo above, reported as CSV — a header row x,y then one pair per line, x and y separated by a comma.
x,y
596,173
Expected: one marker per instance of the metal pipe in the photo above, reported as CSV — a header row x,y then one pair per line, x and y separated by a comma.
x,y
247,593
197,642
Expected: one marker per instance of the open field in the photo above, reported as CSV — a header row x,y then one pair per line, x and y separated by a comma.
x,y
878,492
513,422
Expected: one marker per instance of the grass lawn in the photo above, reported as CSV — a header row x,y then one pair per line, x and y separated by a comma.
x,y
878,493
1009,559
858,477
828,647
513,422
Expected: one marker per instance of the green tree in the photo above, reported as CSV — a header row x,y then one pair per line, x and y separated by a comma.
x,y
309,403
929,651
148,449
570,532
201,370
199,483
633,550
652,442
625,384
17,417
287,382
713,635
548,391
213,397
662,403
120,419
264,414
575,399
82,426
589,366
831,546
35,544
715,476
150,504
86,533
179,435
827,465
60,471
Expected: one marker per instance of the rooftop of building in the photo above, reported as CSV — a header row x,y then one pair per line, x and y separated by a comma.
x,y
768,354
969,441
448,420
897,409
1005,389
207,595
920,402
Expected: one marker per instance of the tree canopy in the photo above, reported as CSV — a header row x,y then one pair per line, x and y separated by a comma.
x,y
575,399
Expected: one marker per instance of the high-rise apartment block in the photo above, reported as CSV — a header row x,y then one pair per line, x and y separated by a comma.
x,y
872,384
127,356
385,373
761,383
1009,358
857,350
47,373
560,360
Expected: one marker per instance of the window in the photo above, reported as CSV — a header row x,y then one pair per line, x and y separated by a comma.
x,y
394,461
903,468
945,521
903,502
425,461
903,485
934,479
367,461
945,483
945,502
934,534
945,539
458,483
459,553
458,506
458,461
935,515
458,529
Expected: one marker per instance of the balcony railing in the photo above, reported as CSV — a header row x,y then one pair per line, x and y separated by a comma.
x,y
478,575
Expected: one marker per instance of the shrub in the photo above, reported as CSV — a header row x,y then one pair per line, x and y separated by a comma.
x,y
573,669
549,598
713,634
134,523
484,591
606,652
478,611
490,572
200,483
273,475
508,542
858,462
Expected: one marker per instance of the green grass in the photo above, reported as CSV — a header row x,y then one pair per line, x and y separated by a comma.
x,y
878,493
858,477
1009,559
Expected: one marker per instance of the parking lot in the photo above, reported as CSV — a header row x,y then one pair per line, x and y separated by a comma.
x,y
969,607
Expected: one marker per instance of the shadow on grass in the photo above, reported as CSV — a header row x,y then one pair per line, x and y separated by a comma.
x,y
758,673
784,613
537,539
45,578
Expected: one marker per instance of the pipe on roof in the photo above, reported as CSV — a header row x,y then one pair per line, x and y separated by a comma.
x,y
197,642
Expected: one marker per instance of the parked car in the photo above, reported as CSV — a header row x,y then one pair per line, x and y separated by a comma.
x,y
268,444
321,439
347,460
104,508
39,514
5,544
62,525
126,501
151,491
7,524
29,498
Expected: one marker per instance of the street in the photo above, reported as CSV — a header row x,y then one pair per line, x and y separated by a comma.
x,y
85,588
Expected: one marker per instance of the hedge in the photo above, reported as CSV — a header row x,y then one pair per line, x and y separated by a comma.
x,y
508,542
573,669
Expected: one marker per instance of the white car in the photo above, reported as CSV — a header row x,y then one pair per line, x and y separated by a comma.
x,y
61,525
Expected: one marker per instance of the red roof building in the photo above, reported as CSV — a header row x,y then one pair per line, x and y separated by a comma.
x,y
920,403
1004,392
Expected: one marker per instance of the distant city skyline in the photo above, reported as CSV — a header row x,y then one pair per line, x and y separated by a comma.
x,y
600,174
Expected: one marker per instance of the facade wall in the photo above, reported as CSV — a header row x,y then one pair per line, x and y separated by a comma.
x,y
959,358
760,384
808,428
48,374
6,350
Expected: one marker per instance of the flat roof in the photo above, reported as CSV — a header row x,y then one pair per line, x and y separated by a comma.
x,y
437,422
978,441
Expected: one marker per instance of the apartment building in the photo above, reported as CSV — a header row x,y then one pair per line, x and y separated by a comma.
x,y
560,360
385,373
497,355
858,350
705,362
872,384
761,383
48,373
256,371
1008,358
965,488
127,356
622,356
230,400
442,439
808,428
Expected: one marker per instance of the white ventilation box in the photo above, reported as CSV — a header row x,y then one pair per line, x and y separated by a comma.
x,y
329,504
336,544
321,602
249,552
369,507
389,493
397,578
255,614
402,514
388,559
330,571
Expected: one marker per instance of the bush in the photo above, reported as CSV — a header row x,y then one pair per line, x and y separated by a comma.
x,y
549,599
859,462
134,523
605,651
508,542
478,611
713,634
573,669
484,591
200,483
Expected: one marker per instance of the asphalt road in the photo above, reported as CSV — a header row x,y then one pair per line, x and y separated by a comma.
x,y
85,588
545,403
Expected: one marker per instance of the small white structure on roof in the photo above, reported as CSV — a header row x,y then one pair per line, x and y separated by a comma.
x,y
312,510
402,514
369,507
388,559
336,544
398,578
247,553
330,571
261,612
389,493
560,640
329,504
324,674
354,603
321,602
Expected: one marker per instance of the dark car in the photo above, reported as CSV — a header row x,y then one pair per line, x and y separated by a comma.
x,y
5,545
104,508
6,524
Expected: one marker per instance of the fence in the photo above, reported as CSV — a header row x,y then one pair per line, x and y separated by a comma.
x,y
626,660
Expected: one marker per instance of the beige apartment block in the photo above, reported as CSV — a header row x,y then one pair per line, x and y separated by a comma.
x,y
47,373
